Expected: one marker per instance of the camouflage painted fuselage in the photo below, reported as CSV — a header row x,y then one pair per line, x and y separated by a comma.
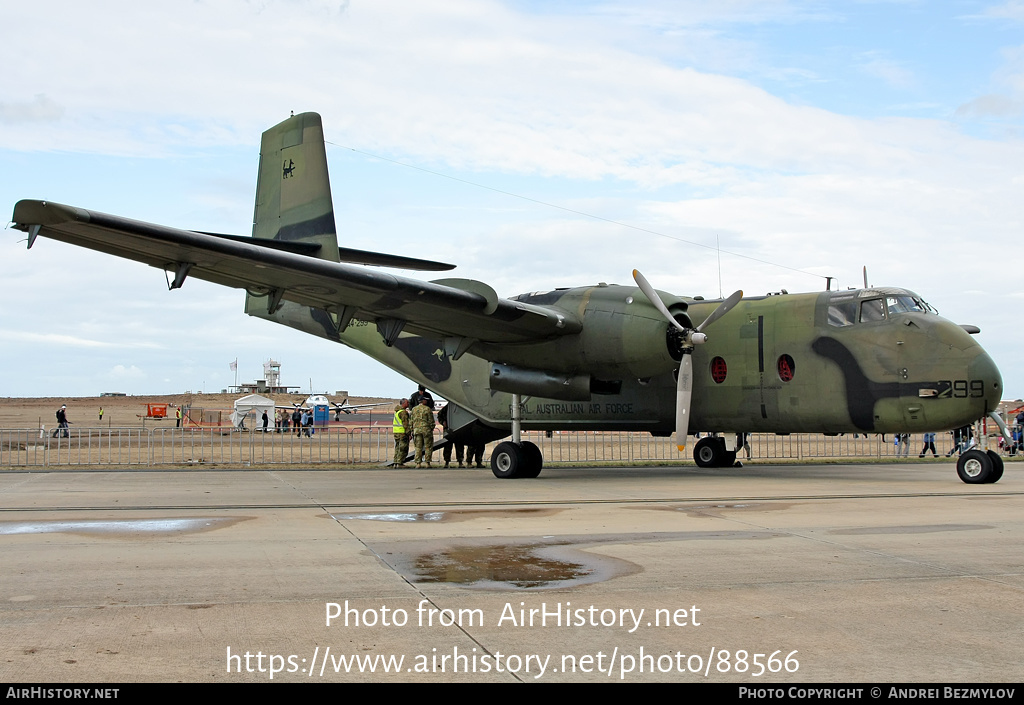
x,y
784,363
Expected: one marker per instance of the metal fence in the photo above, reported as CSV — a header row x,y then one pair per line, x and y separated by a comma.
x,y
374,445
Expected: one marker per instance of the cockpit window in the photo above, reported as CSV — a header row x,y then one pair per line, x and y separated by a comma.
x,y
843,313
872,310
903,304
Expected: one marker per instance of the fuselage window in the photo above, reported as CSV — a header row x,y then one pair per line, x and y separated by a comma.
x,y
786,367
843,313
872,310
719,370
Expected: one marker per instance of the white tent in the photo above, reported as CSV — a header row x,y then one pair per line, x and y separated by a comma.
x,y
250,403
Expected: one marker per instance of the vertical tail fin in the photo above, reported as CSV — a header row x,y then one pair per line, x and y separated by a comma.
x,y
293,193
293,198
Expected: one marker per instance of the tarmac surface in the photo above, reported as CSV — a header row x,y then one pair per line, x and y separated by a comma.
x,y
759,575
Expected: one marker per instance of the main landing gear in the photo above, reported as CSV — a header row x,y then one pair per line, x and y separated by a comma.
x,y
710,452
512,460
977,467
516,458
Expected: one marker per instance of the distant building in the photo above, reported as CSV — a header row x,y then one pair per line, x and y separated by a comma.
x,y
270,384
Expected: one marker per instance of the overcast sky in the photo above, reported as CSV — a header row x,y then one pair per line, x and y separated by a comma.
x,y
811,137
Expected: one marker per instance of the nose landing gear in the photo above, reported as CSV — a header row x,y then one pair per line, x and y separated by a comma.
x,y
977,467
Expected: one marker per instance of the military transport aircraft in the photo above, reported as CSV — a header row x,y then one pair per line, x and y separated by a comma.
x,y
320,400
601,357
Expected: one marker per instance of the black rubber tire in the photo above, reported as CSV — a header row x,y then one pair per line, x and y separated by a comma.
x,y
507,461
534,459
709,452
997,467
974,467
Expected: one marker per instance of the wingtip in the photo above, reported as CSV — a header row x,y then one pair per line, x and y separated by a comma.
x,y
681,448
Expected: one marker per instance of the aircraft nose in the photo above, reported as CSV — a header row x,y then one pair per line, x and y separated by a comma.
x,y
983,368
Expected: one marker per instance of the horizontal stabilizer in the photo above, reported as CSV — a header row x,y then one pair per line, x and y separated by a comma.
x,y
345,254
299,247
382,260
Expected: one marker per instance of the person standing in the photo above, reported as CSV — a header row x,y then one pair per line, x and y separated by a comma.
x,y
420,393
401,428
1018,434
961,439
423,430
266,421
177,416
442,418
745,443
929,444
62,422
475,451
101,414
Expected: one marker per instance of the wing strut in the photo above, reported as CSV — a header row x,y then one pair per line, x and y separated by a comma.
x,y
390,329
181,270
457,347
341,316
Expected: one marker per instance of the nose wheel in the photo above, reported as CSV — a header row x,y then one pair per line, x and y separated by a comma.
x,y
977,468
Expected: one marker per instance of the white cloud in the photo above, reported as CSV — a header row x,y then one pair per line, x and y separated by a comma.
x,y
39,109
894,73
586,113
1012,10
123,373
60,341
991,105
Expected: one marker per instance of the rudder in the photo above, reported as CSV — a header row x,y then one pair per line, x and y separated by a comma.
x,y
293,190
293,196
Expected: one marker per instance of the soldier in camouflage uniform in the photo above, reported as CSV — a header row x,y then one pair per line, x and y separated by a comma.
x,y
402,429
423,431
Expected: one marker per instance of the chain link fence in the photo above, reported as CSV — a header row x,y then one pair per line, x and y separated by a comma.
x,y
375,445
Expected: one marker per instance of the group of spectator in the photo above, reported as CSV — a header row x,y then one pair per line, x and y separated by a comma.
x,y
414,419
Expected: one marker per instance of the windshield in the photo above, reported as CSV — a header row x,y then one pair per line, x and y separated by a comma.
x,y
851,311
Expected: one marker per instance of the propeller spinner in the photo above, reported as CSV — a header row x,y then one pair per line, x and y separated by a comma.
x,y
691,337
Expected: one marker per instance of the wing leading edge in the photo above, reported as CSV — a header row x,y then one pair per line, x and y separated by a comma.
x,y
451,307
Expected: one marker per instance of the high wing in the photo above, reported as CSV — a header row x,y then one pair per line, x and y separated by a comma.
x,y
446,307
343,407
347,408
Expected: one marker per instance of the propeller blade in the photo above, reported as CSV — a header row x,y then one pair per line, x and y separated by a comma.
x,y
684,391
723,308
652,295
684,382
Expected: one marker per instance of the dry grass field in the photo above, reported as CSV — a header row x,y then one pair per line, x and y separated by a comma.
x,y
127,412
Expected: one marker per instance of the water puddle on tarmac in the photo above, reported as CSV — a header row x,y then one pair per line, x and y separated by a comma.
x,y
912,529
490,566
715,510
518,566
447,515
117,527
393,516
